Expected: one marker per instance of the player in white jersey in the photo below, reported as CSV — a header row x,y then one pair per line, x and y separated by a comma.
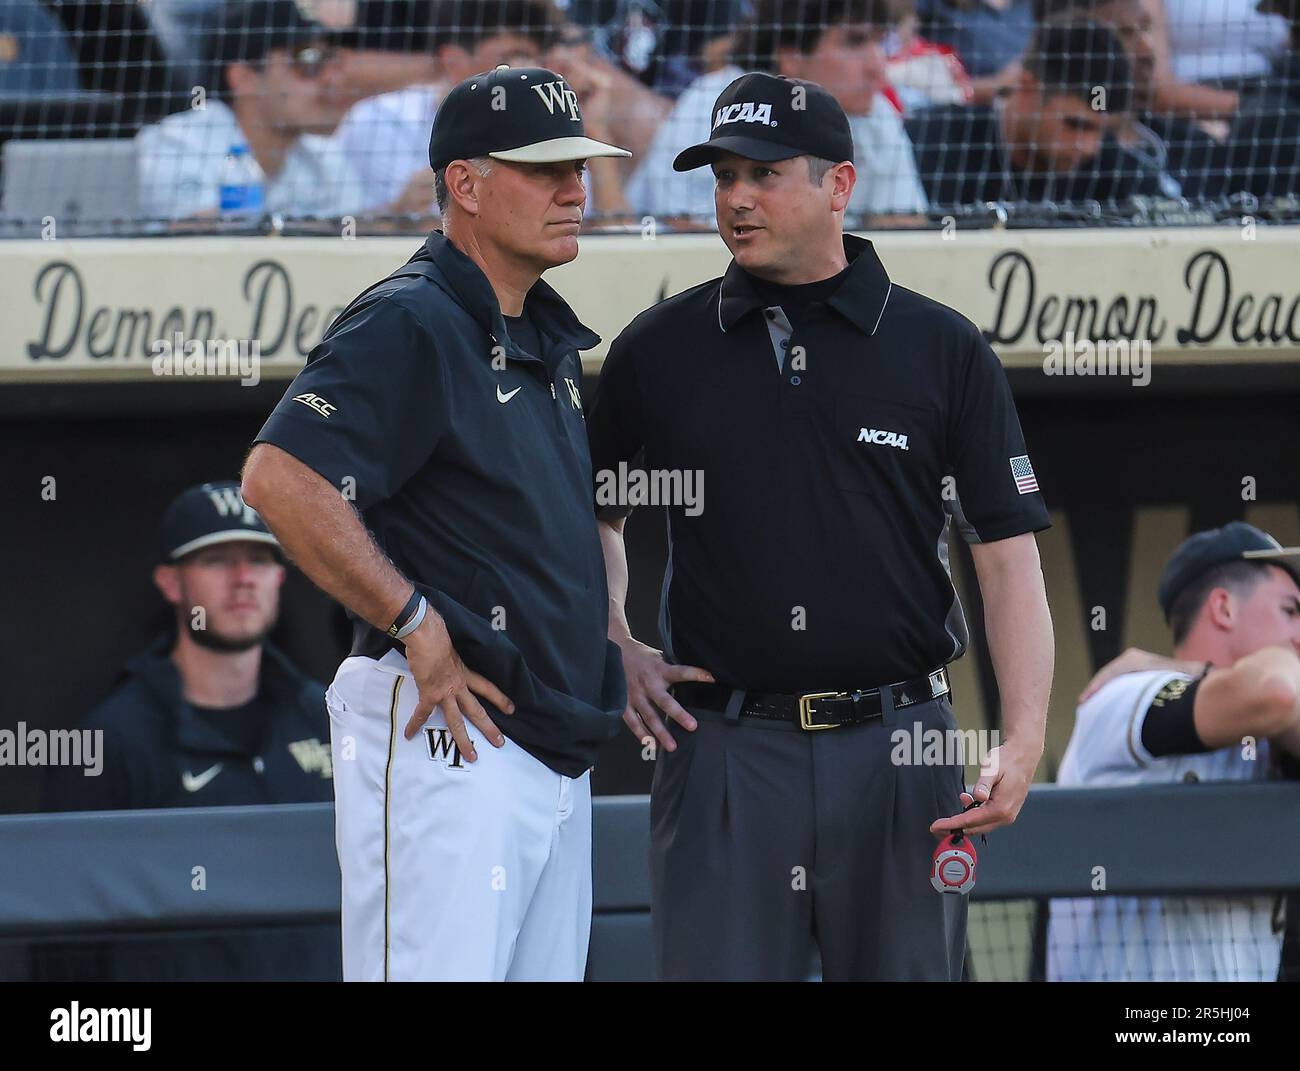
x,y
1214,712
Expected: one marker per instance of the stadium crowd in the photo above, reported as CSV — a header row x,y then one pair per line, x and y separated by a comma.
x,y
953,102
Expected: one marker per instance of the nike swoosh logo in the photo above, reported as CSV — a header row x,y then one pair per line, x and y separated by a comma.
x,y
503,398
193,783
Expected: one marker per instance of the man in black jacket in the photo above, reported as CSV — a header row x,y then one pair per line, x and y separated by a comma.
x,y
214,716
210,716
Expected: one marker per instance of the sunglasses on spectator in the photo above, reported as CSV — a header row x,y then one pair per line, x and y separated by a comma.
x,y
309,61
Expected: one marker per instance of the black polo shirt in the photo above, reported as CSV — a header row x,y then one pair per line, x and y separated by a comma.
x,y
467,457
819,558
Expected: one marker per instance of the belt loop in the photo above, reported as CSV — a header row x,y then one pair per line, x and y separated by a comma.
x,y
887,711
734,702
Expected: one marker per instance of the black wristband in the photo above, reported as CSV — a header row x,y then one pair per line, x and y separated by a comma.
x,y
412,604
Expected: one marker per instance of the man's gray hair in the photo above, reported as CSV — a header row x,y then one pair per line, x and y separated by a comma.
x,y
817,168
481,164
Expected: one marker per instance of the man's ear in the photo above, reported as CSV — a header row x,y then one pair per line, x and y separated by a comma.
x,y
463,186
1221,608
842,177
167,579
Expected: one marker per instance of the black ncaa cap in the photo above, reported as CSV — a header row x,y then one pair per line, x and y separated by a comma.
x,y
207,514
763,117
523,114
1200,553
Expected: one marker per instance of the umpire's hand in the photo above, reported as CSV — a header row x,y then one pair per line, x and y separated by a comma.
x,y
444,682
648,680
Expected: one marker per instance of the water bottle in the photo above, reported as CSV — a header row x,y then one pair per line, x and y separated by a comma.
x,y
241,183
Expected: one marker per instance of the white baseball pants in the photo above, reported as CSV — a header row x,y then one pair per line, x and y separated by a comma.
x,y
452,870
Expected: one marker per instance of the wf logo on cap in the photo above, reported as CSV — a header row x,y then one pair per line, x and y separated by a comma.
x,y
559,95
749,112
228,502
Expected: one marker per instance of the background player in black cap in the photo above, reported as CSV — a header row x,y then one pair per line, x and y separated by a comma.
x,y
1225,707
444,404
212,714
838,420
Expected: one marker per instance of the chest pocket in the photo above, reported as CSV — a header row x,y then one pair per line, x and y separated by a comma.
x,y
883,447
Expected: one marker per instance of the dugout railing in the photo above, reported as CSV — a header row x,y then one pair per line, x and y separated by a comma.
x,y
71,875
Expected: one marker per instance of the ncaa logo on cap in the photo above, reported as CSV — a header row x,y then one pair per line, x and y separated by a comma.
x,y
748,112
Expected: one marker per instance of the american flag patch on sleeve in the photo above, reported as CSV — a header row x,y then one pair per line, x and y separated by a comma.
x,y
1023,473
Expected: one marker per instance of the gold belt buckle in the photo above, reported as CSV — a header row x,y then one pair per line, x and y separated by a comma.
x,y
805,711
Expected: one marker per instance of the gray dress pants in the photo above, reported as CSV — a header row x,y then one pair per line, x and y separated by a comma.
x,y
768,841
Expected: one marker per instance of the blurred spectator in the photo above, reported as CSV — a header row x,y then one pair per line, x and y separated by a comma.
x,y
279,95
118,53
210,715
388,47
34,52
1188,160
616,109
1264,152
1221,42
665,44
386,137
1206,52
1220,710
1050,139
989,37
836,43
922,73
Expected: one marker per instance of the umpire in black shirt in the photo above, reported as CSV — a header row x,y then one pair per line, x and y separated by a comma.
x,y
840,422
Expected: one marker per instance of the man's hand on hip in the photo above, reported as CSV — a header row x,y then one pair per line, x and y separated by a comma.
x,y
648,680
444,682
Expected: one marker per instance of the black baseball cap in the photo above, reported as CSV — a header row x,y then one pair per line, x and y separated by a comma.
x,y
1200,553
207,514
766,117
248,29
523,114
389,26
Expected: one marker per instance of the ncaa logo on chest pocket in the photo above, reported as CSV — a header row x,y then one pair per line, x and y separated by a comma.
x,y
443,747
880,437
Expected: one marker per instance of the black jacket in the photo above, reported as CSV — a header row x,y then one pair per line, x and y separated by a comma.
x,y
467,457
158,753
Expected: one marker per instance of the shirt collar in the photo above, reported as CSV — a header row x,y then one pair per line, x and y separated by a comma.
x,y
860,299
549,311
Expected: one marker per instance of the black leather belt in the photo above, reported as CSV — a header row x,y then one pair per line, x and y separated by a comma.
x,y
812,710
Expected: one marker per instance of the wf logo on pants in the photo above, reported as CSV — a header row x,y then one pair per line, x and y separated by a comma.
x,y
443,747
